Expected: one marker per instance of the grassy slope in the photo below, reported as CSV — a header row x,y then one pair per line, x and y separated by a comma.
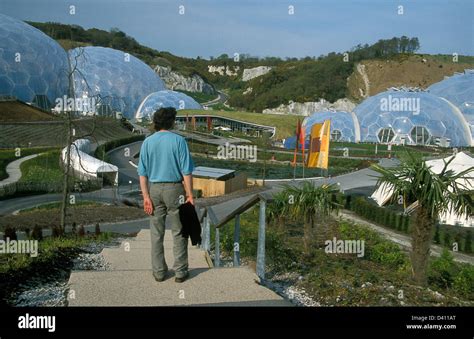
x,y
7,156
285,124
405,71
54,134
43,168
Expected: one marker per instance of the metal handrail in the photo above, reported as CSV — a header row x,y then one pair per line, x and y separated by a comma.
x,y
209,217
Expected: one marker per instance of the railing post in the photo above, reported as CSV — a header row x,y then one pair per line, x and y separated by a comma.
x,y
206,234
261,241
237,241
217,253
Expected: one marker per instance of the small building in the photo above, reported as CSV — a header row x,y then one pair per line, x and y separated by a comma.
x,y
214,182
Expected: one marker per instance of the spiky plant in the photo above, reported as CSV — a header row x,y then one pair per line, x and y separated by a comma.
x,y
278,210
311,203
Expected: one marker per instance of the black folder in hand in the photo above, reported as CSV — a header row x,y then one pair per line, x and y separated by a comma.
x,y
190,221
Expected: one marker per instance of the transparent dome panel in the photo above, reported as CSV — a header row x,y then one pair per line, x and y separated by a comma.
x,y
165,98
340,121
402,110
113,77
31,63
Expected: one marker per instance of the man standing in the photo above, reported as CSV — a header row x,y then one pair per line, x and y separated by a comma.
x,y
166,166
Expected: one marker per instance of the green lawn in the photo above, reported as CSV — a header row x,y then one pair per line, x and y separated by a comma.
x,y
200,96
43,168
9,155
285,124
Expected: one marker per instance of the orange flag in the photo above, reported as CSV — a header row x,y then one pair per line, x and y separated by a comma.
x,y
319,145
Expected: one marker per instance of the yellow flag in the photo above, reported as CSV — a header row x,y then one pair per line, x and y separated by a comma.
x,y
319,145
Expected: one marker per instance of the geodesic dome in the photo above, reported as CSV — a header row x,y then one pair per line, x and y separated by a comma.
x,y
33,67
165,98
117,80
411,117
459,90
344,125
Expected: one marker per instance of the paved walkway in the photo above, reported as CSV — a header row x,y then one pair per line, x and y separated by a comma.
x,y
402,240
13,170
129,282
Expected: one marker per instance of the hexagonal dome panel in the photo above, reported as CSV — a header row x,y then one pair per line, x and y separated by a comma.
x,y
31,63
340,120
402,110
459,90
112,77
165,98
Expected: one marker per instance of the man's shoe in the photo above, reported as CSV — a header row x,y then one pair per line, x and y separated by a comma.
x,y
159,278
181,279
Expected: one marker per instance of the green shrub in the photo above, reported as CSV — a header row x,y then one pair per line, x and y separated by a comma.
x,y
442,270
97,229
386,253
463,283
406,224
436,238
56,231
9,233
37,233
81,231
387,217
468,242
393,220
447,240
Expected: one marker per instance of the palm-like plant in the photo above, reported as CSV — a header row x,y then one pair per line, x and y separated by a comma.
x,y
278,210
436,194
311,202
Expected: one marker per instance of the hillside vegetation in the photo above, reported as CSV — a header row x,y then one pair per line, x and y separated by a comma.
x,y
408,70
389,62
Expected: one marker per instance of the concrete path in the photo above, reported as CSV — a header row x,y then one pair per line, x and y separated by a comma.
x,y
402,240
13,170
129,281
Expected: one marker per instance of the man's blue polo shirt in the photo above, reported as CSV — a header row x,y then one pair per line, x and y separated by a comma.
x,y
165,157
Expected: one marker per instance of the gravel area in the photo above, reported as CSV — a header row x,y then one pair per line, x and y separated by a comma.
x,y
284,284
52,290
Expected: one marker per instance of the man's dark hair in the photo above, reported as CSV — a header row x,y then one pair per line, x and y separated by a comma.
x,y
164,118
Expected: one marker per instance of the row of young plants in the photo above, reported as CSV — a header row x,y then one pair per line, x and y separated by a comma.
x,y
24,188
37,232
445,235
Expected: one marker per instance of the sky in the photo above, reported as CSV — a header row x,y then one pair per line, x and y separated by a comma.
x,y
265,27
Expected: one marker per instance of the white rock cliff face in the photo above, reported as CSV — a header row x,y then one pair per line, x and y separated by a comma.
x,y
308,108
176,81
223,70
250,73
